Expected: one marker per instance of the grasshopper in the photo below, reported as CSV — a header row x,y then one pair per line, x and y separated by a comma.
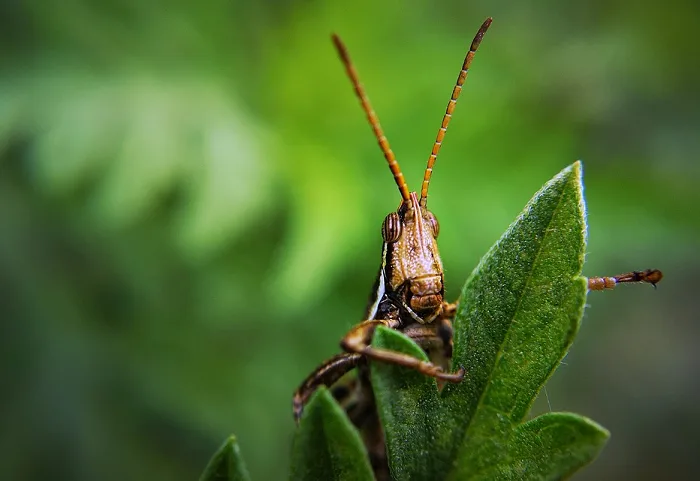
x,y
408,293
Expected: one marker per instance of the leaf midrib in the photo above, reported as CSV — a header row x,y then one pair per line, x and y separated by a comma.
x,y
517,309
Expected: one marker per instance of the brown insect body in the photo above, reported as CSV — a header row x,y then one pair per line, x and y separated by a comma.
x,y
409,290
408,294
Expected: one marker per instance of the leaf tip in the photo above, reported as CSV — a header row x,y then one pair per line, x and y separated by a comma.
x,y
226,464
326,444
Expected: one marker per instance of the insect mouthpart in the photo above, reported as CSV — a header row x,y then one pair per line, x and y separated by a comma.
x,y
426,293
422,304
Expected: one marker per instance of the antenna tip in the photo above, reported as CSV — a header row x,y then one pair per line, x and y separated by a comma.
x,y
480,34
340,47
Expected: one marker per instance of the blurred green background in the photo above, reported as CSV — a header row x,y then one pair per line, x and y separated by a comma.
x,y
191,201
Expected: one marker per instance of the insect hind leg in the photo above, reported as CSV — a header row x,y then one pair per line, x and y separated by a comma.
x,y
324,375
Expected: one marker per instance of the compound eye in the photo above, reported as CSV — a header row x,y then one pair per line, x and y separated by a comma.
x,y
434,224
391,228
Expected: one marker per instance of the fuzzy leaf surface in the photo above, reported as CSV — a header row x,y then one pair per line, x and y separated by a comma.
x,y
327,446
409,403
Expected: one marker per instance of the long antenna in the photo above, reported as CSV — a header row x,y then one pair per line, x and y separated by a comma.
x,y
450,108
372,117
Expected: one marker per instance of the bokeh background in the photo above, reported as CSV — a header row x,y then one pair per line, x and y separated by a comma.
x,y
191,201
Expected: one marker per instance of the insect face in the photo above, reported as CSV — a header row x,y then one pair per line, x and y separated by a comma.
x,y
413,268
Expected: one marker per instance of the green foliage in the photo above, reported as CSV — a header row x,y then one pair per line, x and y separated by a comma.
x,y
409,409
226,464
327,445
190,203
519,313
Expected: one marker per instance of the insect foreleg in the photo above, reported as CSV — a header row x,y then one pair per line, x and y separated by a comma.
x,y
448,310
358,341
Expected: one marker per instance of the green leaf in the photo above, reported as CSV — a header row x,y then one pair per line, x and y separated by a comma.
x,y
408,402
554,445
326,445
227,464
518,315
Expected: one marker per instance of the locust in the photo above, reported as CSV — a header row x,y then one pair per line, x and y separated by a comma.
x,y
409,291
